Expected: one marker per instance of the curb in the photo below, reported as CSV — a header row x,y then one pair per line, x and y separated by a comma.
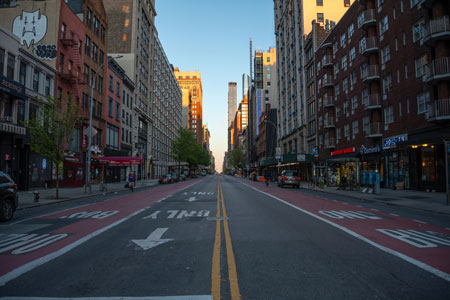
x,y
38,204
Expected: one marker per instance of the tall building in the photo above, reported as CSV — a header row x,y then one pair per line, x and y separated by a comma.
x,y
383,95
245,85
232,101
132,36
293,21
191,86
166,112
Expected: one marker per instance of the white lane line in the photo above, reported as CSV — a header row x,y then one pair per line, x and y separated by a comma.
x,y
411,260
394,215
374,209
193,297
359,206
420,221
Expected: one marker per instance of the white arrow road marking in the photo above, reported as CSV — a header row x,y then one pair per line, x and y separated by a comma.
x,y
153,240
191,199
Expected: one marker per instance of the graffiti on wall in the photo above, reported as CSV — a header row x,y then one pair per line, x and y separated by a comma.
x,y
31,28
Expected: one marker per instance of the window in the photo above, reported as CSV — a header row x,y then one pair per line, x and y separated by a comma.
x,y
36,80
351,30
336,69
2,61
319,2
111,83
94,52
86,73
102,33
10,66
110,107
354,102
396,44
320,18
389,115
385,54
100,84
380,3
345,85
336,90
355,127
99,109
63,31
118,89
61,63
353,78
87,46
344,63
101,58
352,54
335,48
85,101
420,65
23,73
406,71
422,101
343,40
346,108
47,86
418,31
96,25
346,130
387,84
112,137
117,111
59,94
384,26
366,124
94,79
89,17
338,133
414,3
346,3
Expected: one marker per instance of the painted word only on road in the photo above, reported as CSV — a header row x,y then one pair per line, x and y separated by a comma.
x,y
180,214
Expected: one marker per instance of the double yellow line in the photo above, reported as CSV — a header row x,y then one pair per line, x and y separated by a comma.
x,y
215,273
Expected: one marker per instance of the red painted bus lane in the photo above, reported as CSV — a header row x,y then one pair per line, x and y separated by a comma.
x,y
20,253
422,244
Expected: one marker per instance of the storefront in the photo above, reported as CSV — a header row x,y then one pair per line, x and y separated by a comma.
x,y
371,162
343,163
396,163
120,163
73,170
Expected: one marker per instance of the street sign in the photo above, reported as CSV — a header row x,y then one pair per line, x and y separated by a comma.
x,y
278,153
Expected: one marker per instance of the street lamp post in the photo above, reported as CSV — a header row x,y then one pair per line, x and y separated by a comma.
x,y
88,177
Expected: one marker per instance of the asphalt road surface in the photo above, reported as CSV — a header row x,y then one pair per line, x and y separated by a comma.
x,y
221,237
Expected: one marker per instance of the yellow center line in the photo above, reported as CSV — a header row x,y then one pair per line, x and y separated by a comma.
x,y
232,272
215,272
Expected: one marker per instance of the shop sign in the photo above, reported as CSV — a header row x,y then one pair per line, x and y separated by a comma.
x,y
85,137
393,141
314,151
301,157
7,127
12,87
344,151
365,150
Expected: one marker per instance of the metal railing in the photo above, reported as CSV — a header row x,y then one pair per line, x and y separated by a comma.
x,y
440,66
372,101
440,109
327,60
374,129
329,122
370,43
330,143
370,72
328,101
435,26
367,17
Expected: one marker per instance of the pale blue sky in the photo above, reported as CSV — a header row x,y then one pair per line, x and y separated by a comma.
x,y
212,37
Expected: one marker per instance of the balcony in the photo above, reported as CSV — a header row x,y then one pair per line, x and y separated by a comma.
x,y
367,18
371,73
330,143
438,111
329,122
374,130
370,46
68,42
326,45
328,82
436,30
437,70
328,101
327,61
372,102
70,75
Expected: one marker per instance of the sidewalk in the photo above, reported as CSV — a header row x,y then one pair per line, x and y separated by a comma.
x,y
433,202
26,198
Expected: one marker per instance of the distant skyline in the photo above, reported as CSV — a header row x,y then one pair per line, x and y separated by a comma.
x,y
213,37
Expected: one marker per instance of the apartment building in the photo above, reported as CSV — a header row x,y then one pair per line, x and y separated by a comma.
x,y
383,93
293,21
167,111
191,86
131,36
232,101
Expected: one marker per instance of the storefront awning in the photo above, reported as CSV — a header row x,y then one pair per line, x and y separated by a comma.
x,y
119,161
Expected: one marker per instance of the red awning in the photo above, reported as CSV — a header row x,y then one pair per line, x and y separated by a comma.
x,y
118,161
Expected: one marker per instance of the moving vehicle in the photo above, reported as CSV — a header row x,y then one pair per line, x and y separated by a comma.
x,y
289,177
9,199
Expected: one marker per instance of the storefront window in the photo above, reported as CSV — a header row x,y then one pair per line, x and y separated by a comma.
x,y
428,164
20,112
5,105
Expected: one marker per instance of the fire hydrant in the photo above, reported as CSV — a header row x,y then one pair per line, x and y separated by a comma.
x,y
36,196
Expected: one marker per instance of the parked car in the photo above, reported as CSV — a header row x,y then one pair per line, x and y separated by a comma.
x,y
175,177
182,177
166,179
203,173
288,177
9,199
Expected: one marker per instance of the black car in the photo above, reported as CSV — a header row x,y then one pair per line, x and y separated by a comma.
x,y
8,197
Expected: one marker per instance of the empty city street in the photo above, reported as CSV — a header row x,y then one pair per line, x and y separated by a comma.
x,y
223,237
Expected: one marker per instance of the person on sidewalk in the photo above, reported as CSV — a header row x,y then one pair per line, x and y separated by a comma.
x,y
131,181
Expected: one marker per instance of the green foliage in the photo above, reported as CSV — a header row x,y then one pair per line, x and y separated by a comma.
x,y
52,130
237,158
185,148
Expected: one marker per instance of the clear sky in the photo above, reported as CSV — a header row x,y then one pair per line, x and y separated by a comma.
x,y
212,37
